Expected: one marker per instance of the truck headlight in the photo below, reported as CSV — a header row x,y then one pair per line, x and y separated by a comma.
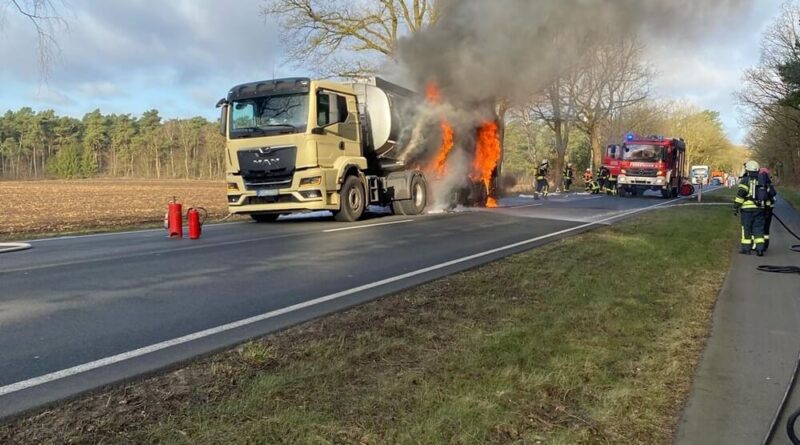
x,y
314,180
232,187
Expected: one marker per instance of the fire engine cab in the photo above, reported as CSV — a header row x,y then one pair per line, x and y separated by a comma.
x,y
649,163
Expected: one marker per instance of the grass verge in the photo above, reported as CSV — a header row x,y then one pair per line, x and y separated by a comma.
x,y
790,194
593,339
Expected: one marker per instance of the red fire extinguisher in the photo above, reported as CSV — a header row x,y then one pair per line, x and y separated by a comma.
x,y
196,221
175,219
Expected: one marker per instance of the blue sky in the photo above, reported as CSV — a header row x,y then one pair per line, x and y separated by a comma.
x,y
180,56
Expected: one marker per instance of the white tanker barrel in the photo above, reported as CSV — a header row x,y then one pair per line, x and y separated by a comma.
x,y
383,105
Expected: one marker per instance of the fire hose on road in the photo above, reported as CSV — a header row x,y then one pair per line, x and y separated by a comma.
x,y
13,247
795,248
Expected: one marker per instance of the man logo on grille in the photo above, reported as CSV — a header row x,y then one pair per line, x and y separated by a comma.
x,y
267,161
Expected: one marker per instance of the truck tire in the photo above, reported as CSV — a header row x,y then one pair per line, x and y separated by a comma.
x,y
352,199
419,198
479,194
264,217
666,193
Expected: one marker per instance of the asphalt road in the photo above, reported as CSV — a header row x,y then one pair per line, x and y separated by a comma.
x,y
77,313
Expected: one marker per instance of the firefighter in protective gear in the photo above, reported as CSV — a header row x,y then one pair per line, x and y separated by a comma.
x,y
604,180
769,204
590,184
748,204
587,180
568,175
542,187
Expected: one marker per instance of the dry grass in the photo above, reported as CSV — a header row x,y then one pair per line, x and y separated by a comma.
x,y
52,207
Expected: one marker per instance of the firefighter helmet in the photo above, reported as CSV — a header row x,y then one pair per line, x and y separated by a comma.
x,y
545,162
751,166
569,164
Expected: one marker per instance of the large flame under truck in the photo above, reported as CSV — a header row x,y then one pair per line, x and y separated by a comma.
x,y
650,163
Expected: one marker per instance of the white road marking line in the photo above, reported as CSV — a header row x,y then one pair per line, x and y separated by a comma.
x,y
13,247
364,226
68,372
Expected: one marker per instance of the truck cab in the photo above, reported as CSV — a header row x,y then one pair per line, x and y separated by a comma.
x,y
298,145
700,174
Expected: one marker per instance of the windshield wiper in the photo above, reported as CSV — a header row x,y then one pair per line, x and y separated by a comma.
x,y
280,126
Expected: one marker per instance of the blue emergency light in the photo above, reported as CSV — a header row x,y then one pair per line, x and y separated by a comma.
x,y
630,136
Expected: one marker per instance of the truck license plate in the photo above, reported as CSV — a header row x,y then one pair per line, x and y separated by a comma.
x,y
267,192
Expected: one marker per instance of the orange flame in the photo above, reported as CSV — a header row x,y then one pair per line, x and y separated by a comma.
x,y
438,166
487,153
444,150
432,93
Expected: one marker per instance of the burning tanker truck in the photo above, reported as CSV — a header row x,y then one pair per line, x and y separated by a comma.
x,y
300,145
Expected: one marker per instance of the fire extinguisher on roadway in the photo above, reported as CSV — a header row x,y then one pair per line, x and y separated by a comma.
x,y
174,219
196,216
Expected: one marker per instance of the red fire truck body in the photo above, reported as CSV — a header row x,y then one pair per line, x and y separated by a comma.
x,y
648,163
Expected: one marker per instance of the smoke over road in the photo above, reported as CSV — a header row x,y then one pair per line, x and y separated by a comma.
x,y
482,51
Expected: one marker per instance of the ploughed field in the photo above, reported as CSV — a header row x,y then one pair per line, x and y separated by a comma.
x,y
37,207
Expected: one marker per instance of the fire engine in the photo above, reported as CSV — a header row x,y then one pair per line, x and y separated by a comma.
x,y
648,163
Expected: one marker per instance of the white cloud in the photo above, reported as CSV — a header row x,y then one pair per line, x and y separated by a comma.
x,y
50,96
103,89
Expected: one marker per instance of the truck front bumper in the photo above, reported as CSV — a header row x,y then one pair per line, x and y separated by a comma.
x,y
657,182
312,195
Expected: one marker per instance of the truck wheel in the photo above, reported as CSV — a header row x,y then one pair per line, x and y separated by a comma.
x,y
264,217
419,199
665,193
352,200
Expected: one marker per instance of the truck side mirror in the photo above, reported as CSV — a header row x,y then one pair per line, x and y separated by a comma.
x,y
318,130
223,120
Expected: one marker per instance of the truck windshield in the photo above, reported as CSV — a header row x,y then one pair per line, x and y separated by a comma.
x,y
260,116
700,171
643,153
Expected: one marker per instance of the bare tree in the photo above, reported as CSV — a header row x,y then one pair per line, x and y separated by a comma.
x,y
46,19
347,38
771,95
613,76
766,88
556,107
